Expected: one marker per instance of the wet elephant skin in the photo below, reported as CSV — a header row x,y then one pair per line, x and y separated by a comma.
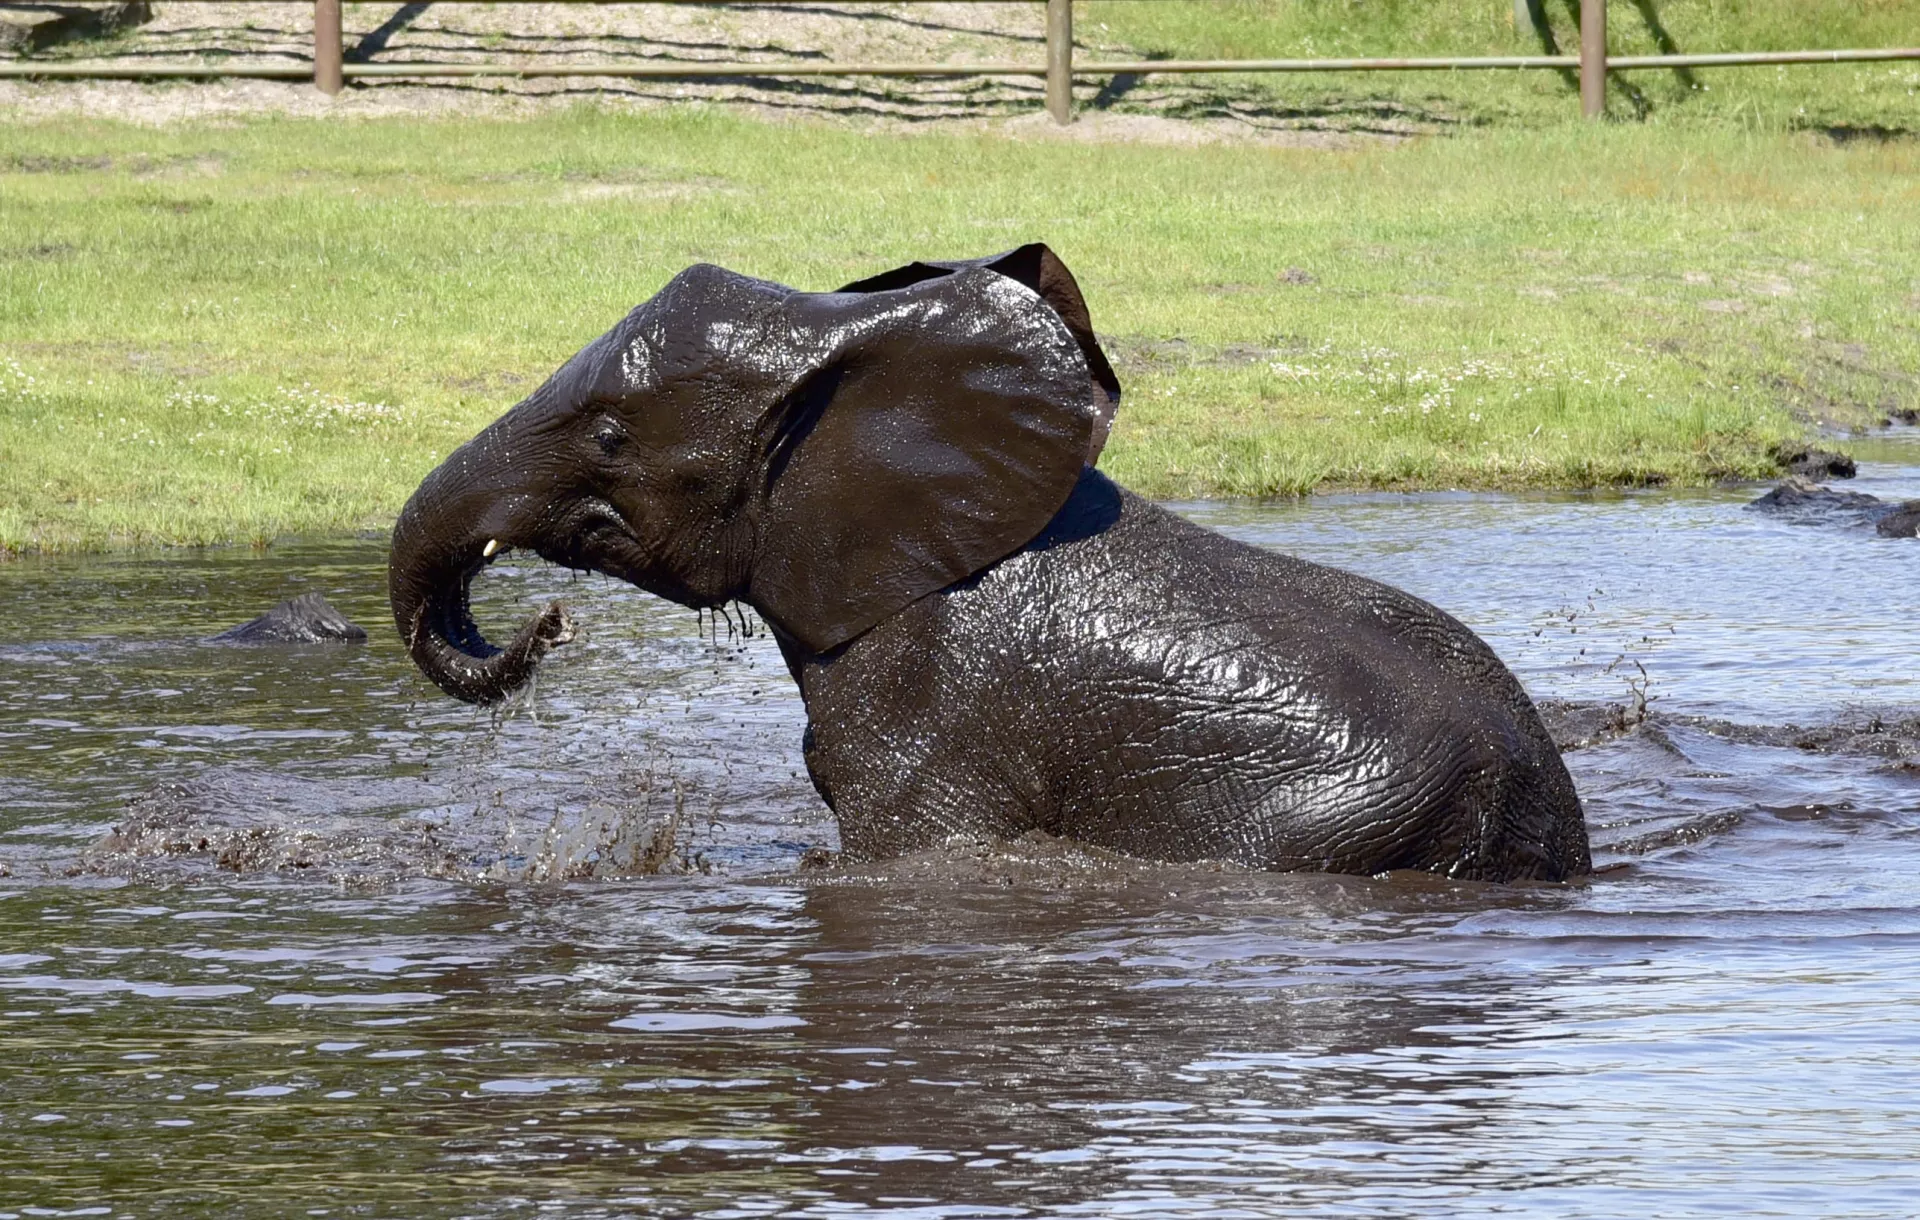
x,y
1136,681
990,636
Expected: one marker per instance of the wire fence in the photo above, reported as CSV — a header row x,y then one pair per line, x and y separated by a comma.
x,y
329,70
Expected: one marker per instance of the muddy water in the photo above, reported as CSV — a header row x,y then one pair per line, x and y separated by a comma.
x,y
286,933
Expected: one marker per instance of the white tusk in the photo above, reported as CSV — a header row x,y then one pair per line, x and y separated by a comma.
x,y
493,544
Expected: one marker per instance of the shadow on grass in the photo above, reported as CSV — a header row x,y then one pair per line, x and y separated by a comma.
x,y
1656,29
401,37
1863,133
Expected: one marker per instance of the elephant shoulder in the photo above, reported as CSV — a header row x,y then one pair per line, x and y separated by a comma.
x,y
1197,581
1274,583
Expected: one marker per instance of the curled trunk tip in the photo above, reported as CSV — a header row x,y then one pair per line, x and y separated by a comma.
x,y
493,675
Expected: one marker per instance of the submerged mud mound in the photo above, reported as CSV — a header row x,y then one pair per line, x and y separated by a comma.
x,y
1894,737
177,825
1574,724
1804,502
177,831
1655,780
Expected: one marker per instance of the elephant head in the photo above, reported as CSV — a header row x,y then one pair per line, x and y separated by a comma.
x,y
827,458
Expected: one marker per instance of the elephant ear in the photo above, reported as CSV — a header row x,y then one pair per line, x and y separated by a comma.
x,y
937,430
1040,269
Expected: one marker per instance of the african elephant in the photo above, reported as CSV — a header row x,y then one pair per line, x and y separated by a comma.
x,y
989,635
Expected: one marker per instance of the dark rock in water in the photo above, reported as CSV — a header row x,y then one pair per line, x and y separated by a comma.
x,y
307,619
1805,500
1903,521
1816,464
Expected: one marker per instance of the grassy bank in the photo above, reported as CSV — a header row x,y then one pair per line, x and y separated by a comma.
x,y
273,326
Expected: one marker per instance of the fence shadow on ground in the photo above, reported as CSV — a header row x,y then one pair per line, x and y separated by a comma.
x,y
424,31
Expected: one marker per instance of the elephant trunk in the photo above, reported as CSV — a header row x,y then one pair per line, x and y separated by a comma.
x,y
440,543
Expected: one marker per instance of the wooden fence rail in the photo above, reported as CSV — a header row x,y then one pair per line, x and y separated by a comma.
x,y
330,71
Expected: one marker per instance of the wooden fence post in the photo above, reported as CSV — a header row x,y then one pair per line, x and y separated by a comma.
x,y
326,46
1593,58
1060,60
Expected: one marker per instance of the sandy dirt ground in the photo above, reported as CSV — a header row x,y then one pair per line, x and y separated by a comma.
x,y
1156,110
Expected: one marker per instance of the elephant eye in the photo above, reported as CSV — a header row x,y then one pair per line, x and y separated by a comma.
x,y
610,438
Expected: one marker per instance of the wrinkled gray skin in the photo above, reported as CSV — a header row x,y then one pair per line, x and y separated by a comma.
x,y
989,635
1138,682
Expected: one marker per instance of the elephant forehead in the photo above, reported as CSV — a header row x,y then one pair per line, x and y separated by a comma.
x,y
718,341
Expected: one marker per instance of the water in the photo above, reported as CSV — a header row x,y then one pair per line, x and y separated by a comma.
x,y
355,950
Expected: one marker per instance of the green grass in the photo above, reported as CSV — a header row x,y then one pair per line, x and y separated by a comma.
x,y
1871,99
238,331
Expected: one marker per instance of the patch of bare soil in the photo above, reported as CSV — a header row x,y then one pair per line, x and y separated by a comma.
x,y
28,28
1121,109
